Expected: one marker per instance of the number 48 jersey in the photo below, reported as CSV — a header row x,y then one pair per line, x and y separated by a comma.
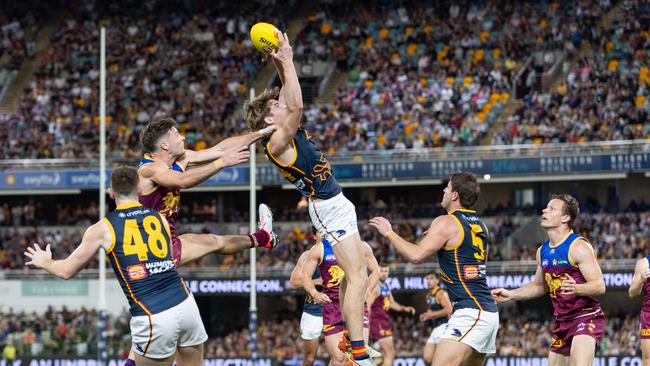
x,y
462,264
141,256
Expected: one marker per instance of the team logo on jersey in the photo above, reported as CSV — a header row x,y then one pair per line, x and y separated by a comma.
x,y
556,343
330,258
645,332
340,233
337,274
545,263
471,272
136,272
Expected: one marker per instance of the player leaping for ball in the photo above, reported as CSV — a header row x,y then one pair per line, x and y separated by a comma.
x,y
297,157
164,172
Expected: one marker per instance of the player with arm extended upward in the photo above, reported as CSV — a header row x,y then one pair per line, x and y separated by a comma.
x,y
295,154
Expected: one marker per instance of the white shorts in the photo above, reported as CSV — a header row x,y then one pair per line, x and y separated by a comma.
x,y
477,329
334,218
437,333
158,335
311,326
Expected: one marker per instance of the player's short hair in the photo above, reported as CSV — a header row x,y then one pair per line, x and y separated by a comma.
x,y
384,264
432,273
256,110
571,206
466,185
124,181
153,131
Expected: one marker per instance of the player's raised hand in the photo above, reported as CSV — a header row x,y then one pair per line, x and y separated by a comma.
x,y
235,155
569,286
284,54
322,298
38,257
381,224
267,131
501,295
409,309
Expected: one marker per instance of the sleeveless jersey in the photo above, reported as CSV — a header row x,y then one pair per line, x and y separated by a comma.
x,y
645,306
165,200
331,273
141,257
556,264
434,305
309,170
381,306
462,266
310,306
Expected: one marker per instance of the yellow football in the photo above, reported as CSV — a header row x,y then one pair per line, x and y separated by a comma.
x,y
265,37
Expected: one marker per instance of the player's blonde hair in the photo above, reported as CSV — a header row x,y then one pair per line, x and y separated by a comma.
x,y
256,110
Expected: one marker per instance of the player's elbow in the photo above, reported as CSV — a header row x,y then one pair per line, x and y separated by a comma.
x,y
418,257
632,294
295,285
601,289
66,274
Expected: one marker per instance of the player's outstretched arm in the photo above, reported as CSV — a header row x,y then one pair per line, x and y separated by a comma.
x,y
295,280
399,307
217,151
94,237
436,237
641,274
536,288
582,255
162,175
290,94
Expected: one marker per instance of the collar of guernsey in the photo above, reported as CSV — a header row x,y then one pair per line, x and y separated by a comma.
x,y
146,158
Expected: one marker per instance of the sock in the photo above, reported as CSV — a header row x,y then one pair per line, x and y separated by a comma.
x,y
129,362
260,238
359,350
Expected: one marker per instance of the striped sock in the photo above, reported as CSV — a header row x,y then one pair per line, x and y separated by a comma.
x,y
359,350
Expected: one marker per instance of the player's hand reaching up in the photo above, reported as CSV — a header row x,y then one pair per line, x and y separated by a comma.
x,y
236,155
381,224
267,131
284,54
39,257
501,295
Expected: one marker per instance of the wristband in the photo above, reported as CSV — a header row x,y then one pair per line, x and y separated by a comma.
x,y
389,233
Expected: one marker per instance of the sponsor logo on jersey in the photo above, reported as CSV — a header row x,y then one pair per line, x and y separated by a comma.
x,y
330,258
645,332
136,272
456,333
471,272
545,263
554,262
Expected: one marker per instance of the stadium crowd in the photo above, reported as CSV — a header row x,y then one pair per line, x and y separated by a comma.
x,y
71,333
606,231
418,76
19,25
191,60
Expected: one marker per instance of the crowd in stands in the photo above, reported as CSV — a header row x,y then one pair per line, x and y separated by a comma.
x,y
189,60
19,25
419,76
72,333
606,96
620,234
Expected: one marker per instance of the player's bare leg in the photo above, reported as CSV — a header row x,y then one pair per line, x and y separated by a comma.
x,y
583,350
429,350
145,361
190,356
349,256
475,359
387,350
337,358
196,246
452,353
645,351
309,347
557,359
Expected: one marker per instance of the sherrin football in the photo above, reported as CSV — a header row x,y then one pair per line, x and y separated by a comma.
x,y
265,37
